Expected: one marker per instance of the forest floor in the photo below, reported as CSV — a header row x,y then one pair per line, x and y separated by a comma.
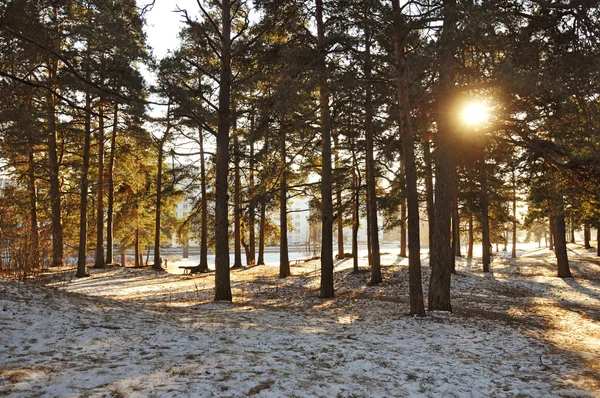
x,y
124,332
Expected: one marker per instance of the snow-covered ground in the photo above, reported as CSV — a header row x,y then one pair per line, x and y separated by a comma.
x,y
124,332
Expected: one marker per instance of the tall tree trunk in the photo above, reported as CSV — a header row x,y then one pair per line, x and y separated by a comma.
x,y
237,205
441,248
100,193
455,220
513,253
587,236
251,260
551,233
55,196
414,250
356,183
284,260
403,230
203,266
157,260
326,289
338,198
31,188
222,276
136,249
111,187
483,198
376,276
161,154
471,237
598,242
429,189
560,242
82,252
261,231
572,230
355,225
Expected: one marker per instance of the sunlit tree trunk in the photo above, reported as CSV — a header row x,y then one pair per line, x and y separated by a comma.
x,y
251,259
376,276
403,236
222,276
284,260
560,243
100,193
338,199
157,229
87,131
261,231
441,249
111,187
33,219
203,266
483,198
587,236
429,188
237,205
136,248
55,196
471,237
513,253
414,250
326,289
551,232
356,183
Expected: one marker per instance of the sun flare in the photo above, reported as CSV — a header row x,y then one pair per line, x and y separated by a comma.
x,y
475,113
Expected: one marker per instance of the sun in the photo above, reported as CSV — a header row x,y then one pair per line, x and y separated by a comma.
x,y
475,113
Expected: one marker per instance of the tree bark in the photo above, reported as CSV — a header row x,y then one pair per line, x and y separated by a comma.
x,y
429,189
441,248
34,233
571,230
587,236
376,276
136,244
356,183
560,243
251,258
284,260
513,253
55,196
111,187
100,193
338,199
203,266
82,252
551,233
237,205
222,276
483,198
471,237
157,260
261,231
455,220
326,289
414,250
403,236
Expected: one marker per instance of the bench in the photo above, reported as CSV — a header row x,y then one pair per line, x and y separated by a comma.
x,y
297,262
189,269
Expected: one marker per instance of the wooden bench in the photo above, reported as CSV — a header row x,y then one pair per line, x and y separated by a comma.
x,y
297,262
189,269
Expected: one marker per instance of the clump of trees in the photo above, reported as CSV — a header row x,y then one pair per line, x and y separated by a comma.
x,y
354,105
